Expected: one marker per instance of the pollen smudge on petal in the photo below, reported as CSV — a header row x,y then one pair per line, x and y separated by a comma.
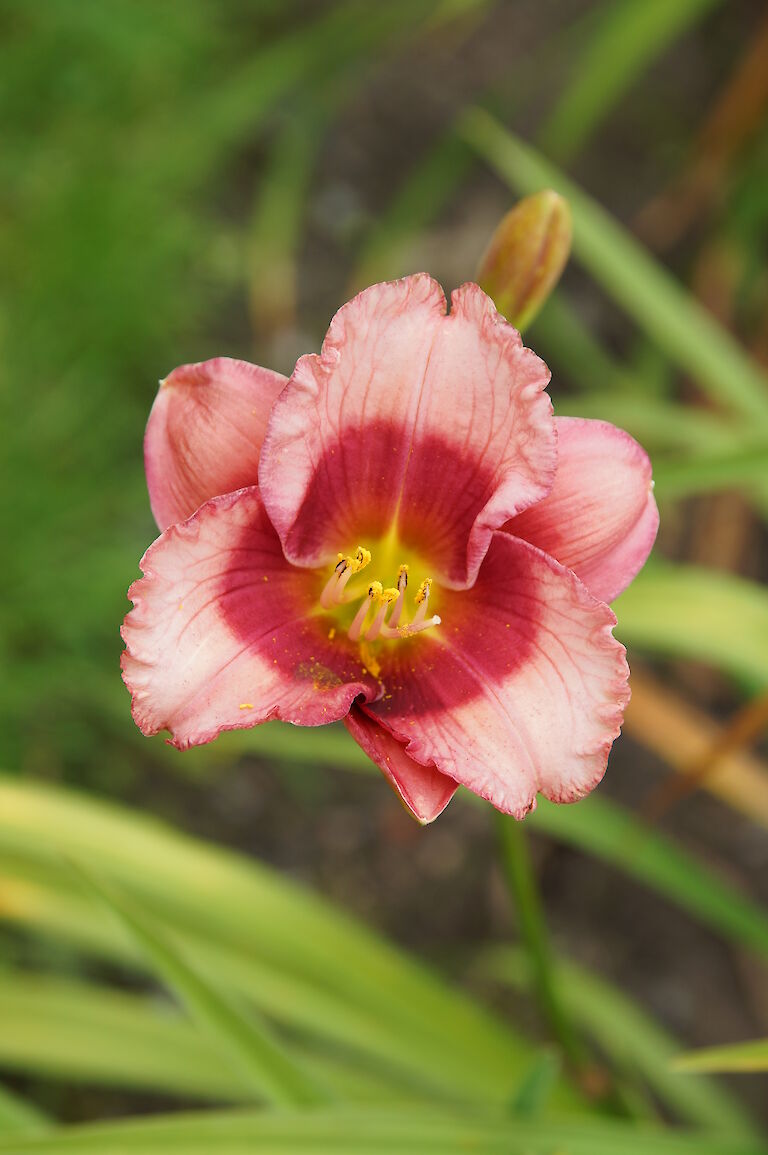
x,y
369,660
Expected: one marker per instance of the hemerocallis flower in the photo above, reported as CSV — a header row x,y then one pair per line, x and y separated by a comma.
x,y
400,536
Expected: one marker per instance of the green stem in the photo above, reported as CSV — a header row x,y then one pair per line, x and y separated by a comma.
x,y
518,872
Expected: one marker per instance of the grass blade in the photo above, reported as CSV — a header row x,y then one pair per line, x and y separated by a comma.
x,y
684,330
603,829
741,1057
634,1043
689,612
406,1132
741,469
627,37
533,1092
33,892
45,906
246,1044
80,1032
17,1116
298,956
60,1029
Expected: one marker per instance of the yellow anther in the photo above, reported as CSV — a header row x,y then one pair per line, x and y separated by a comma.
x,y
354,562
361,559
379,615
423,592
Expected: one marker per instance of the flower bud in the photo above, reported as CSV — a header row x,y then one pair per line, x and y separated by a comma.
x,y
526,256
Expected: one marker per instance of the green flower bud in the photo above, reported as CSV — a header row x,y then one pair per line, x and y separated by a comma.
x,y
527,255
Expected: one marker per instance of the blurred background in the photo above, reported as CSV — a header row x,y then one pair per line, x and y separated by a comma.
x,y
185,179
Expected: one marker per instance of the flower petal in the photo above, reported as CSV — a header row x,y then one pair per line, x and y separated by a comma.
x,y
521,689
600,517
422,789
205,432
434,423
221,636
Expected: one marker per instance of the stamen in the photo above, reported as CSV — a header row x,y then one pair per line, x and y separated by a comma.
x,y
389,601
328,596
374,591
386,598
345,567
422,601
397,609
422,594
342,583
361,559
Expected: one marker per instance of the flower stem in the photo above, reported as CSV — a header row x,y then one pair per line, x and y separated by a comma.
x,y
519,875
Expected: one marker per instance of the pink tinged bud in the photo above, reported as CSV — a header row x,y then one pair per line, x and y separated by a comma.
x,y
527,255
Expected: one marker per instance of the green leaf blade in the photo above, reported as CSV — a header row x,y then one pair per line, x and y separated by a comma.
x,y
739,1057
626,1033
602,828
248,1046
691,612
404,1132
646,291
312,951
628,36
19,1117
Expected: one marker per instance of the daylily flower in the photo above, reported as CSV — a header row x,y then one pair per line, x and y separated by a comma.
x,y
400,536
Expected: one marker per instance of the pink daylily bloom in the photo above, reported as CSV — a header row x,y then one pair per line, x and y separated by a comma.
x,y
400,536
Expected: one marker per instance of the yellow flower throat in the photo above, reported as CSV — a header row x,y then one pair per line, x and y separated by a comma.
x,y
381,609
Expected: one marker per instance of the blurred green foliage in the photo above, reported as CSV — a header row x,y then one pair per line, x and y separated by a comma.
x,y
121,243
376,1026
109,268
157,182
